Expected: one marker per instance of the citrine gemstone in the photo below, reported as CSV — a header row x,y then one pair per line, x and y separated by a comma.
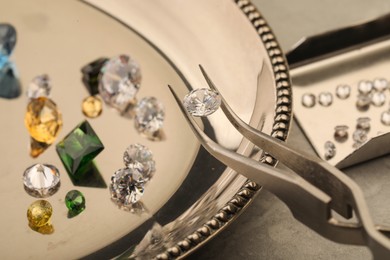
x,y
43,120
39,213
37,148
92,106
75,202
78,149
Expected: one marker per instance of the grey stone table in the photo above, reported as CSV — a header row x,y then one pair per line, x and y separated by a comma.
x,y
267,230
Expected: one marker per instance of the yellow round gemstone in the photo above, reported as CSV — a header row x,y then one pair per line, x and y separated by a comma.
x,y
92,106
39,213
43,120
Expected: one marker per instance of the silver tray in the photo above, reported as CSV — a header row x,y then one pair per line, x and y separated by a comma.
x,y
192,196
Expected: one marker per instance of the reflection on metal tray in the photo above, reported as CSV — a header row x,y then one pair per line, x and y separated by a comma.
x,y
346,57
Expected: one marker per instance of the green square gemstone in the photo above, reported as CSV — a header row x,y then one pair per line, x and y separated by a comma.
x,y
78,149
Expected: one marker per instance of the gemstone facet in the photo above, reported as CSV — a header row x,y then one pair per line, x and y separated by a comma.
x,y
78,149
365,87
40,86
39,213
325,99
202,102
363,102
385,118
363,123
92,106
43,120
330,150
9,82
140,157
378,99
41,180
380,84
119,82
91,73
343,91
308,100
75,202
149,115
341,133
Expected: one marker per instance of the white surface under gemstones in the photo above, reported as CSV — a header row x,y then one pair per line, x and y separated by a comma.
x,y
202,102
40,86
120,81
149,115
42,180
141,157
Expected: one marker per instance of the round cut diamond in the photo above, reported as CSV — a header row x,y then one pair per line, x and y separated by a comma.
x,y
140,157
43,120
360,136
127,187
120,81
325,99
365,87
308,100
363,102
341,133
149,115
330,150
363,123
385,118
343,91
378,99
380,84
202,102
40,86
41,180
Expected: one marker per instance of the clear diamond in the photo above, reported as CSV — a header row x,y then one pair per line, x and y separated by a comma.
x,y
378,99
202,102
40,86
360,136
330,150
363,123
343,91
41,180
363,102
7,39
140,157
308,100
341,133
127,187
365,87
385,118
325,99
149,115
381,84
120,81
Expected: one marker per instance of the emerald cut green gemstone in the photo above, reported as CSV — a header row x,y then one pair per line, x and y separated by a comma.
x,y
75,202
78,149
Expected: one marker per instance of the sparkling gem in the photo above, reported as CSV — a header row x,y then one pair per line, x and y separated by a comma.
x,y
7,39
363,123
360,136
39,213
343,91
91,73
78,149
75,202
40,86
140,157
341,133
92,106
363,102
378,99
149,115
385,118
365,87
325,99
330,150
41,180
380,84
120,81
127,187
43,120
308,100
9,82
202,102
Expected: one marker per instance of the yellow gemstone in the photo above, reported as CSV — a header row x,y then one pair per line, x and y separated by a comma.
x,y
39,213
92,106
37,148
43,120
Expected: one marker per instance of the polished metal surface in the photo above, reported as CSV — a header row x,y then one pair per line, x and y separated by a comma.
x,y
191,195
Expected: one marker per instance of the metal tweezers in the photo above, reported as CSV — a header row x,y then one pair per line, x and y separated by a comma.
x,y
312,191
